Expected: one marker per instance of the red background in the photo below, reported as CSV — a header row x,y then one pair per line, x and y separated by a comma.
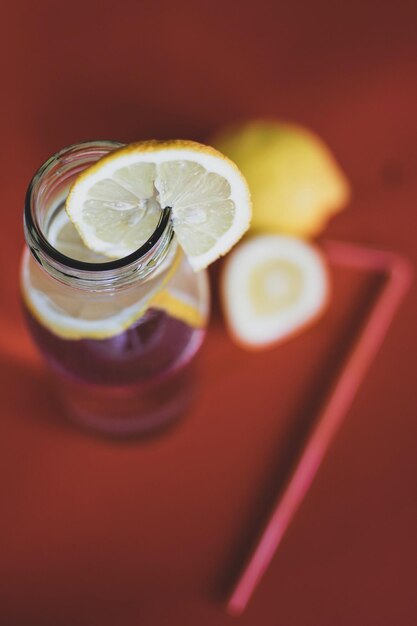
x,y
94,532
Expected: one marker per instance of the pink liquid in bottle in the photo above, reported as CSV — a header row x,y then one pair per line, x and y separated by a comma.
x,y
136,381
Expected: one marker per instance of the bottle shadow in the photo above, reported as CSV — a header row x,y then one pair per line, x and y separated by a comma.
x,y
102,114
29,393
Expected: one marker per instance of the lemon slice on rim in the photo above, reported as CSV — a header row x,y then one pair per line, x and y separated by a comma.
x,y
272,287
115,204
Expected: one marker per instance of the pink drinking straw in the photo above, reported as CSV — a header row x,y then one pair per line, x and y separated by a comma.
x,y
398,273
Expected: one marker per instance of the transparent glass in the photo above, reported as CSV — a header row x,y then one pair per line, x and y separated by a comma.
x,y
120,337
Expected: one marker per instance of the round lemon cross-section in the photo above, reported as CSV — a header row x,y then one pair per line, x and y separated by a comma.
x,y
115,204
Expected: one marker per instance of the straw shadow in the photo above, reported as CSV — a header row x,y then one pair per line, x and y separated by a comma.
x,y
289,447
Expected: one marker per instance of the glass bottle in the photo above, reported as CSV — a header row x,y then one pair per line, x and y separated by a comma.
x,y
119,336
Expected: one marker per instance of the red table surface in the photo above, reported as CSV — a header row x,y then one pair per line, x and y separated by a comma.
x,y
96,532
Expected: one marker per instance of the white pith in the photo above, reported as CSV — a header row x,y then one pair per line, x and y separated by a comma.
x,y
252,328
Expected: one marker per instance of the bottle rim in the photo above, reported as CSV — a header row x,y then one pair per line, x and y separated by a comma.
x,y
66,268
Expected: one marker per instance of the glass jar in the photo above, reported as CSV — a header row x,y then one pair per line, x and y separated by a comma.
x,y
119,336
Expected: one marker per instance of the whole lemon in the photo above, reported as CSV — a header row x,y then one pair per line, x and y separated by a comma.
x,y
295,182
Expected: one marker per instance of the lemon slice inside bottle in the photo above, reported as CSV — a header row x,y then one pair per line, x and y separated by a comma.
x,y
74,314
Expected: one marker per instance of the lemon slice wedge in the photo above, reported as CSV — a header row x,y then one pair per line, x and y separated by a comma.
x,y
272,287
116,203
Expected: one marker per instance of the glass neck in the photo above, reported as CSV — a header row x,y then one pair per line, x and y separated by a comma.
x,y
46,193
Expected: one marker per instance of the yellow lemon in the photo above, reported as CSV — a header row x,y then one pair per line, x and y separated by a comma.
x,y
295,182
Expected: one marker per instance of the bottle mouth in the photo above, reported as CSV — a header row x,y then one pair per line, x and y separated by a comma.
x,y
60,170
